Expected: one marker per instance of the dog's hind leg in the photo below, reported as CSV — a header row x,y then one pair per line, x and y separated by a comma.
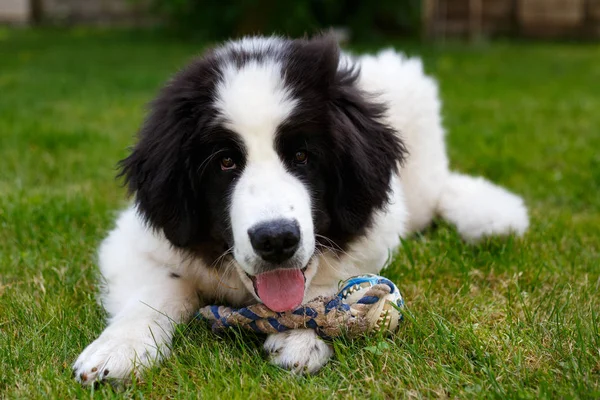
x,y
479,208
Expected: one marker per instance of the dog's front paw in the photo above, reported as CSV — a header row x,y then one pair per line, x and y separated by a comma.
x,y
300,350
116,354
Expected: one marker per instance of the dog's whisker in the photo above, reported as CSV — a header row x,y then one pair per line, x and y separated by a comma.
x,y
222,273
336,249
324,257
223,255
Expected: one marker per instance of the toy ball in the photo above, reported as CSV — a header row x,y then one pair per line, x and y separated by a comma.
x,y
384,312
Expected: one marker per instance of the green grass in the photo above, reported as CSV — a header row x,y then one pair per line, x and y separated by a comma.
x,y
506,318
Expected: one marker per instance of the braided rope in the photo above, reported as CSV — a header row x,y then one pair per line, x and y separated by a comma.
x,y
329,316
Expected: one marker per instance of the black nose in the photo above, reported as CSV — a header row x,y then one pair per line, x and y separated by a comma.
x,y
275,241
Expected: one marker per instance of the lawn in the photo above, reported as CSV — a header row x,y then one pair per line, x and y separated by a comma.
x,y
508,318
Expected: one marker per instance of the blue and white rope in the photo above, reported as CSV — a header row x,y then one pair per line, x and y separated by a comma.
x,y
377,307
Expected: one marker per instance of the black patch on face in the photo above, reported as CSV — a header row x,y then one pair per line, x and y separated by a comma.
x,y
175,172
174,169
351,153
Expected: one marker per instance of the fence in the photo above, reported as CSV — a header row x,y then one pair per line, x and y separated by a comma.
x,y
440,18
528,18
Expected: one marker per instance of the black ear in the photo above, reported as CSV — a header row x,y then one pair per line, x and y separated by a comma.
x,y
155,173
368,153
312,63
158,169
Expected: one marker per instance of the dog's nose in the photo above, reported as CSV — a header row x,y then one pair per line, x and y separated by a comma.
x,y
275,241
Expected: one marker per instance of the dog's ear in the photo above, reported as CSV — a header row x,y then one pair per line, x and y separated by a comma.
x,y
155,173
367,153
158,169
313,63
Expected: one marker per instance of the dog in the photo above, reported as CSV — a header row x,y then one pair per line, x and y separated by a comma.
x,y
268,170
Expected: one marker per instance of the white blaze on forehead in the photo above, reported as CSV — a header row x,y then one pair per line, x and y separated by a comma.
x,y
253,101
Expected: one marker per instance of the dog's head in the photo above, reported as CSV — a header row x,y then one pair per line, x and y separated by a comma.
x,y
265,150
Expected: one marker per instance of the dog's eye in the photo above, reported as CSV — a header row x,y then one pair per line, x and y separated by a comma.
x,y
227,163
301,157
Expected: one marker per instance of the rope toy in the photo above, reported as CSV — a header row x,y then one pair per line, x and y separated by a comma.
x,y
363,303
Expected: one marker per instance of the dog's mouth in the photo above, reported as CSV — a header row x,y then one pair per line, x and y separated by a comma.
x,y
281,289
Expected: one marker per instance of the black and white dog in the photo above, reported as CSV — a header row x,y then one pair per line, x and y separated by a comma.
x,y
269,170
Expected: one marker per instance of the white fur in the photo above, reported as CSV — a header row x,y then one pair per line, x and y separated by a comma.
x,y
414,110
144,303
300,351
253,102
479,208
265,192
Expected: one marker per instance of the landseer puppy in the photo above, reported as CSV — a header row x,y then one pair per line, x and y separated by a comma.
x,y
268,170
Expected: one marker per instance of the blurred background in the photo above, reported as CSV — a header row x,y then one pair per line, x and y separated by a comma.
x,y
367,20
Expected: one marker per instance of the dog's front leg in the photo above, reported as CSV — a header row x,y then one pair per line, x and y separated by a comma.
x,y
301,350
298,350
140,333
144,299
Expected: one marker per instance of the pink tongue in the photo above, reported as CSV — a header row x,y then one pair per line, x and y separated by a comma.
x,y
281,290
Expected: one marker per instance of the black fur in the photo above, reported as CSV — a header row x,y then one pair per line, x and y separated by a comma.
x,y
175,188
357,153
352,154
